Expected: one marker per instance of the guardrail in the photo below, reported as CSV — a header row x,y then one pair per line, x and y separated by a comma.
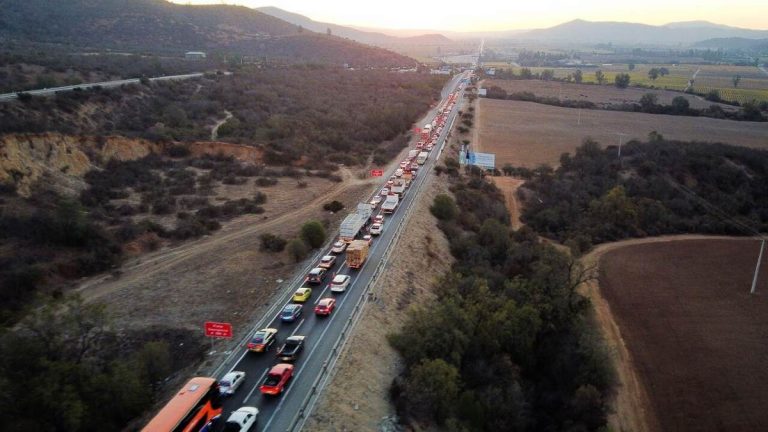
x,y
354,318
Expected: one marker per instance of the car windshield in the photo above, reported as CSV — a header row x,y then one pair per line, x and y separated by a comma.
x,y
225,383
272,380
339,279
258,338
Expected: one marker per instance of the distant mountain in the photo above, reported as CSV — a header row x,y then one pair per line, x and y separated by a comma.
x,y
760,45
364,36
161,26
684,33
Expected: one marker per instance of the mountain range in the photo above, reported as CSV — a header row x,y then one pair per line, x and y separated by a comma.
x,y
681,33
163,27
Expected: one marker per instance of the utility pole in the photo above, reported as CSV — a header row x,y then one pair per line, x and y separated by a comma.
x,y
757,267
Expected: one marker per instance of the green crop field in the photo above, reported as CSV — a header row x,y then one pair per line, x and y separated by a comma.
x,y
753,84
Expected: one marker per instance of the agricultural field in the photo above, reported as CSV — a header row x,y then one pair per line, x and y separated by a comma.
x,y
753,85
529,134
695,334
602,96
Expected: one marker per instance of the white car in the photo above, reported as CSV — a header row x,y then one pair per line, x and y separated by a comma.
x,y
339,247
242,420
379,219
368,238
340,283
399,172
384,191
377,228
231,382
376,200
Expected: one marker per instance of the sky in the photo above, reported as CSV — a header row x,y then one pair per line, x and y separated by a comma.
x,y
489,15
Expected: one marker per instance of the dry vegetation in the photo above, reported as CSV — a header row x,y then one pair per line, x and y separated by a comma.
x,y
357,397
695,334
529,134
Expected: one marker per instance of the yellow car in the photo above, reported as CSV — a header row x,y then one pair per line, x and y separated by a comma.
x,y
302,295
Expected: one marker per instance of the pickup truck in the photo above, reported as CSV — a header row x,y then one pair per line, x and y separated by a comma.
x,y
390,204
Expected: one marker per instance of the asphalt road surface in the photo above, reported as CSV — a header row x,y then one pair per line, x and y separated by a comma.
x,y
281,413
105,84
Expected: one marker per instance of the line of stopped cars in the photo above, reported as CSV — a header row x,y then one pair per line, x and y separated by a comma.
x,y
352,241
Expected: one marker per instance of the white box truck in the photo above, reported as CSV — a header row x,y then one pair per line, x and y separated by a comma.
x,y
422,158
390,204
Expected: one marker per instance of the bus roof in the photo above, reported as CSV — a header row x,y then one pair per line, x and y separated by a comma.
x,y
177,408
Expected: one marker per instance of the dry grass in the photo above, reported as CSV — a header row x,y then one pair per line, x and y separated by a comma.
x,y
530,134
357,397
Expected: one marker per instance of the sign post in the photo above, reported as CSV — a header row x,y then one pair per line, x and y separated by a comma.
x,y
377,173
218,330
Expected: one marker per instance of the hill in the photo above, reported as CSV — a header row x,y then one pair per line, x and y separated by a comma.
x,y
634,33
363,36
162,27
735,43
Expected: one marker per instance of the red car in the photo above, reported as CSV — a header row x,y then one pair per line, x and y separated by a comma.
x,y
325,307
277,378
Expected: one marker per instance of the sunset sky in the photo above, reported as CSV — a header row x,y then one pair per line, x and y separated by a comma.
x,y
486,15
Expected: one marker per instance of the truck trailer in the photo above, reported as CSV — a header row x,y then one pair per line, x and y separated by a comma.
x,y
354,222
357,252
422,158
390,204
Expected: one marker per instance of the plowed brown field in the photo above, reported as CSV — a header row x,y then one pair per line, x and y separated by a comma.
x,y
696,335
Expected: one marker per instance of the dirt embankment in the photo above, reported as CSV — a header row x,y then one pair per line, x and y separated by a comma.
x,y
61,161
357,397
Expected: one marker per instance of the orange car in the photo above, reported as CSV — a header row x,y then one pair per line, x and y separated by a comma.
x,y
277,379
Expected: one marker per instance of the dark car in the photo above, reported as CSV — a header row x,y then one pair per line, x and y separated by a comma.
x,y
316,275
290,312
291,349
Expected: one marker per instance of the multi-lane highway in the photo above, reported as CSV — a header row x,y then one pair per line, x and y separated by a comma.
x,y
105,84
288,411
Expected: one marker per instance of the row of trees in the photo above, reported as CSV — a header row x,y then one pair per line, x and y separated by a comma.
x,y
507,346
658,187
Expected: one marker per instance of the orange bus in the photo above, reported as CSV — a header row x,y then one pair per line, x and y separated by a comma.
x,y
196,404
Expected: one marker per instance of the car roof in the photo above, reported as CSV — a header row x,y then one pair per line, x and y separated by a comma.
x,y
316,270
340,277
296,338
303,289
292,306
232,374
280,368
328,257
326,301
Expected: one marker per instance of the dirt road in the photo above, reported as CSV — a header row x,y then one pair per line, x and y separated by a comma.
x,y
509,186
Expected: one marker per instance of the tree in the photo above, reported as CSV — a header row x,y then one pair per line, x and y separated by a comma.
x,y
300,29
444,207
328,31
648,102
622,80
631,66
297,249
272,243
713,96
680,105
653,74
663,71
313,234
547,74
432,389
526,73
736,80
600,77
578,76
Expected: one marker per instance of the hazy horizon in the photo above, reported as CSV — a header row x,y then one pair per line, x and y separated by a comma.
x,y
452,15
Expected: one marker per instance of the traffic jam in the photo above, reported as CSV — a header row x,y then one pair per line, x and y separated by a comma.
x,y
322,290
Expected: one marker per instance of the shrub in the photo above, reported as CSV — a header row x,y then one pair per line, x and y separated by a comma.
x,y
178,151
444,207
266,181
298,249
272,243
333,206
313,234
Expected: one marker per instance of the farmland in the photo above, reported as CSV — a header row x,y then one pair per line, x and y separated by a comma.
x,y
602,96
695,335
529,134
753,84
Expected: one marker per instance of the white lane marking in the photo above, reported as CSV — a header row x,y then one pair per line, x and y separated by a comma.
x,y
297,327
295,378
255,386
320,297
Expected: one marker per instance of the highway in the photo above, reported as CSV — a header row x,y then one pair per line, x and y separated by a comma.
x,y
323,334
105,84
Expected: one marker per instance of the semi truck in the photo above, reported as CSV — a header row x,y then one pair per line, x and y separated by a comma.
x,y
412,154
357,252
354,222
422,158
390,204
